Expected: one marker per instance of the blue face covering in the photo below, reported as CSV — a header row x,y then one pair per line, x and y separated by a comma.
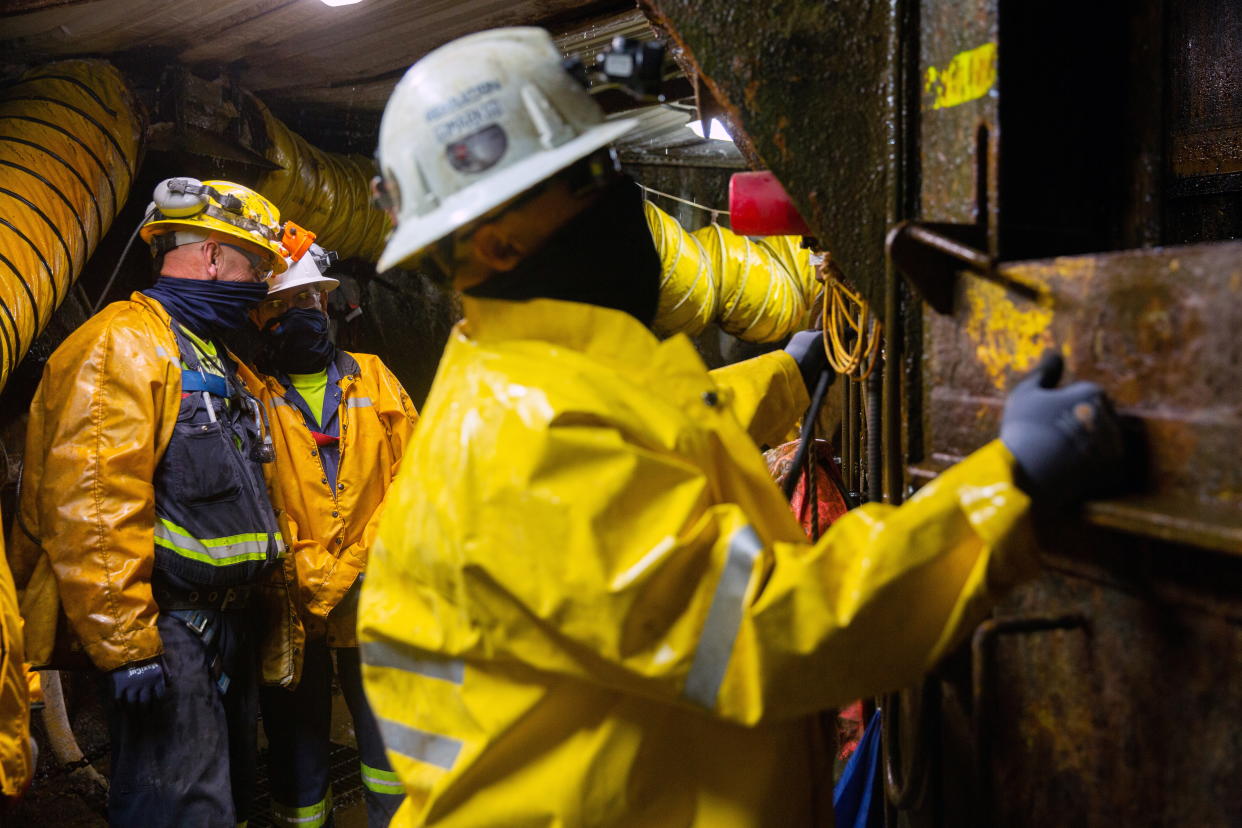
x,y
206,307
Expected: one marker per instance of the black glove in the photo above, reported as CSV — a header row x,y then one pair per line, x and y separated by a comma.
x,y
807,349
138,686
1067,441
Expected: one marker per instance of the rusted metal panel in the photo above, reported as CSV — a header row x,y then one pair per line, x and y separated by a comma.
x,y
1205,89
958,124
1158,329
1204,164
814,87
1129,718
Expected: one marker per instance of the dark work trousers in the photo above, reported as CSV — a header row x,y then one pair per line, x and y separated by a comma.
x,y
189,760
297,724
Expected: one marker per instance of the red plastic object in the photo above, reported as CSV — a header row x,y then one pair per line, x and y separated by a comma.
x,y
759,206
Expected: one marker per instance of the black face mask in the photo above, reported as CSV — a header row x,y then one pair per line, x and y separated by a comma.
x,y
604,256
296,342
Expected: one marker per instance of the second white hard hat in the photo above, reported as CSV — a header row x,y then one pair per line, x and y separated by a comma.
x,y
476,123
307,270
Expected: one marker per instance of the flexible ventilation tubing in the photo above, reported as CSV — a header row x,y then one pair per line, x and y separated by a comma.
x,y
70,135
759,291
328,193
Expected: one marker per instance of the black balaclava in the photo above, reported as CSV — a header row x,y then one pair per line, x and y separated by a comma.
x,y
604,256
296,342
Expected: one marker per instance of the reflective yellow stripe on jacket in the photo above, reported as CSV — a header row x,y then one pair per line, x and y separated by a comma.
x,y
232,549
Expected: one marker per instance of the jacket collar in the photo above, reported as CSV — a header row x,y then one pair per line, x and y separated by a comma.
x,y
602,333
343,367
153,306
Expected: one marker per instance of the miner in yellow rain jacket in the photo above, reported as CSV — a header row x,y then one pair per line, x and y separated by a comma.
x,y
341,422
588,604
146,536
16,758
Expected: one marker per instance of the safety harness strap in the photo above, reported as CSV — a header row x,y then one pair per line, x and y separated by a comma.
x,y
201,381
203,624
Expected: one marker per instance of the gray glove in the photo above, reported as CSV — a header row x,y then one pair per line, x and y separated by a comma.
x,y
807,349
1067,441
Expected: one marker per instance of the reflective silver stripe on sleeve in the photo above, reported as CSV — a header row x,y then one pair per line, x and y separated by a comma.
x,y
431,748
412,660
724,617
358,402
277,402
159,351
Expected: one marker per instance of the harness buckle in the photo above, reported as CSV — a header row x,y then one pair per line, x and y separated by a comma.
x,y
196,620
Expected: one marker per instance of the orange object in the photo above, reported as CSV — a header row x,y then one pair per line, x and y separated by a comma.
x,y
830,499
296,240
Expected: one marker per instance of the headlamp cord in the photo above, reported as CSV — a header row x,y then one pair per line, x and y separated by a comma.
x,y
120,260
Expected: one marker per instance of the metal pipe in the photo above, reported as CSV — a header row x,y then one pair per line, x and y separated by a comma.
x,y
976,261
875,455
894,456
849,426
857,448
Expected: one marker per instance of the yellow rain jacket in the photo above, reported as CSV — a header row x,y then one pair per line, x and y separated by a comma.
x,y
16,759
588,603
331,530
99,424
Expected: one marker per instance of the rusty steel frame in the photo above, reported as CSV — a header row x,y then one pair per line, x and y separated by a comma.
x,y
1158,329
938,111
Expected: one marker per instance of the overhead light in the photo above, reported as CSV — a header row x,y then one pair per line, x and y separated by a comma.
x,y
715,130
339,2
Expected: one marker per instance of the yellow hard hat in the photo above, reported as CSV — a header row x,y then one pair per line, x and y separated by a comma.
x,y
187,205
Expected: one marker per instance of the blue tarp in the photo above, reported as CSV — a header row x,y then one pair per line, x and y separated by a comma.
x,y
851,798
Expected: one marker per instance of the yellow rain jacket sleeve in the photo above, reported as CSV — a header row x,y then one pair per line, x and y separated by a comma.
x,y
331,531
98,424
768,395
16,759
584,539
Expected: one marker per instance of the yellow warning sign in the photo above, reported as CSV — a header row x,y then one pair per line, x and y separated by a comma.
x,y
970,75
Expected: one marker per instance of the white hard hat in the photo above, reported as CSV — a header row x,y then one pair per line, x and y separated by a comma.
x,y
307,270
476,123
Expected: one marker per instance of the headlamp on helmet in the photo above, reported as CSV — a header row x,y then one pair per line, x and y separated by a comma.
x,y
187,210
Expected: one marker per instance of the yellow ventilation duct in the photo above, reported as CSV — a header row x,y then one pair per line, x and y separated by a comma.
x,y
326,192
69,140
759,291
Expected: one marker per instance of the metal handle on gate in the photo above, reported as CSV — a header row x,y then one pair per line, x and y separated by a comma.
x,y
930,254
982,653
